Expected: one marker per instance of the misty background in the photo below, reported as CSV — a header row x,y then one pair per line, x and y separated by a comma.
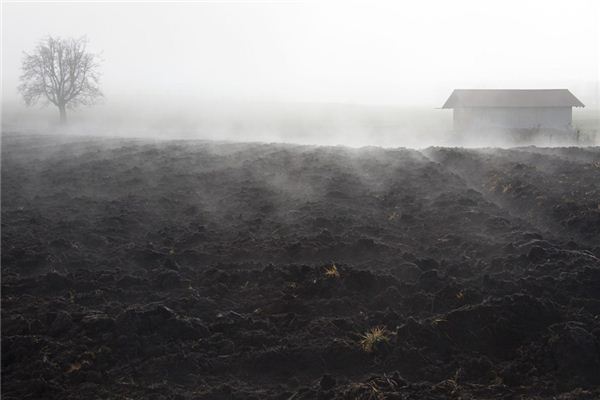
x,y
346,73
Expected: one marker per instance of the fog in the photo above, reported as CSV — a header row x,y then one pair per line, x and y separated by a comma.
x,y
270,201
353,74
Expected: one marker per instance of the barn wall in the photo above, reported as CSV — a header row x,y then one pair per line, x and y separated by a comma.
x,y
512,118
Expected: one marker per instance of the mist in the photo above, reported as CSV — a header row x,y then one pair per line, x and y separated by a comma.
x,y
354,75
300,200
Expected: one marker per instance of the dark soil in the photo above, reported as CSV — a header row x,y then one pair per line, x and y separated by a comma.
x,y
193,270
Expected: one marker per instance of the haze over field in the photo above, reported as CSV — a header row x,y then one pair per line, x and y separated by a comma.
x,y
383,247
305,72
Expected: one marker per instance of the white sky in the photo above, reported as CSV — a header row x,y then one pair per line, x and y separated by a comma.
x,y
404,53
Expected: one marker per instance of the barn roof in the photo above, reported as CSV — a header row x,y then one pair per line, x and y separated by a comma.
x,y
512,98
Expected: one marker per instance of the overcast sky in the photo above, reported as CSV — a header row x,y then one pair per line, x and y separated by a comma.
x,y
398,53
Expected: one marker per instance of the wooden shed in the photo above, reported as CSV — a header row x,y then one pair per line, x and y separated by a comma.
x,y
514,110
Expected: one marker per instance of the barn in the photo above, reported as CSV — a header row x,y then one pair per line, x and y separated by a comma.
x,y
516,112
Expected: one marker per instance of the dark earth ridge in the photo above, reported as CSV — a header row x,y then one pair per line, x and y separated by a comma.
x,y
203,270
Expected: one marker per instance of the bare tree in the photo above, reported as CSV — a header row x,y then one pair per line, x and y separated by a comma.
x,y
61,72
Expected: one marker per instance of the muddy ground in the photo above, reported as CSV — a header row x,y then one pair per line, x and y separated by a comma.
x,y
134,269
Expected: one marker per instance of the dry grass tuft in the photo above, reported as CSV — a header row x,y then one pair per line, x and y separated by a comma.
x,y
332,272
374,337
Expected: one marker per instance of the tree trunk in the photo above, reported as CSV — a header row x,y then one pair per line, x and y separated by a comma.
x,y
63,113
